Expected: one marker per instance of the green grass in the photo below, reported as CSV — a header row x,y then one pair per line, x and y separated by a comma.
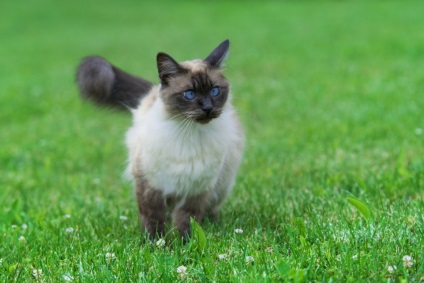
x,y
330,94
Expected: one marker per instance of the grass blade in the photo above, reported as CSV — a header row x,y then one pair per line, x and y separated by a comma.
x,y
198,234
360,206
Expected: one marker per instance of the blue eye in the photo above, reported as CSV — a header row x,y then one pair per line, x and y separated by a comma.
x,y
214,91
189,94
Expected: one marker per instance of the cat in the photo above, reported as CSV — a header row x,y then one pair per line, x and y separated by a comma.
x,y
186,142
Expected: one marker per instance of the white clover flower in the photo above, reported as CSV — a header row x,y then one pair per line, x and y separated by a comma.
x,y
68,278
123,218
67,216
270,250
24,226
238,231
391,269
407,261
407,258
222,256
110,256
160,243
355,257
69,230
250,259
22,239
37,273
14,226
182,270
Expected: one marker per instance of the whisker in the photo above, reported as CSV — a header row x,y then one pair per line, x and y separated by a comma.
x,y
177,116
188,128
182,131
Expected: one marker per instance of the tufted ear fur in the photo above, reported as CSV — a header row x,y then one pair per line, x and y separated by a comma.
x,y
218,55
167,67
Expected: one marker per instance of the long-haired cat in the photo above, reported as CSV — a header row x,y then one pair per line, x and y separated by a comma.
x,y
186,141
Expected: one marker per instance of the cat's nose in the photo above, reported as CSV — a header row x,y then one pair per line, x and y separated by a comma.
x,y
207,109
206,105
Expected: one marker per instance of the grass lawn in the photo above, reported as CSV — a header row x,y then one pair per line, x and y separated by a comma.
x,y
331,188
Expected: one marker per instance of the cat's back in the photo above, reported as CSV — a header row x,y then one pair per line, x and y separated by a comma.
x,y
145,105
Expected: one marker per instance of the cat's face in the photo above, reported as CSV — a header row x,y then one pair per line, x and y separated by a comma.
x,y
195,90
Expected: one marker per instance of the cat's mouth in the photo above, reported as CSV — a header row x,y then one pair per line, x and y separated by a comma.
x,y
204,119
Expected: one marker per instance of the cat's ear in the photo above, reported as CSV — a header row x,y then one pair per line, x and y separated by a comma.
x,y
167,67
218,55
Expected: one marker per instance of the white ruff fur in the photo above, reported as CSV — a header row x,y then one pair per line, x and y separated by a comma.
x,y
181,157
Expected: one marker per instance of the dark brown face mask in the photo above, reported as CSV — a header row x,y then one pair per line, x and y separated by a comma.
x,y
195,89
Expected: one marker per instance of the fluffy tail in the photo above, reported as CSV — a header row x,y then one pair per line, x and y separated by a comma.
x,y
106,85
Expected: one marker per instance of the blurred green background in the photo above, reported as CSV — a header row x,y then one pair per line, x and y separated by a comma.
x,y
330,94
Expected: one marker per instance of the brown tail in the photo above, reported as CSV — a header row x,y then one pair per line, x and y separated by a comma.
x,y
106,85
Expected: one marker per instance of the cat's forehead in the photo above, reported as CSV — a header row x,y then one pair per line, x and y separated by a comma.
x,y
195,65
199,67
199,76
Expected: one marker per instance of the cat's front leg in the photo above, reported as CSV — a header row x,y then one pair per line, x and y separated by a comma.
x,y
152,208
193,206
